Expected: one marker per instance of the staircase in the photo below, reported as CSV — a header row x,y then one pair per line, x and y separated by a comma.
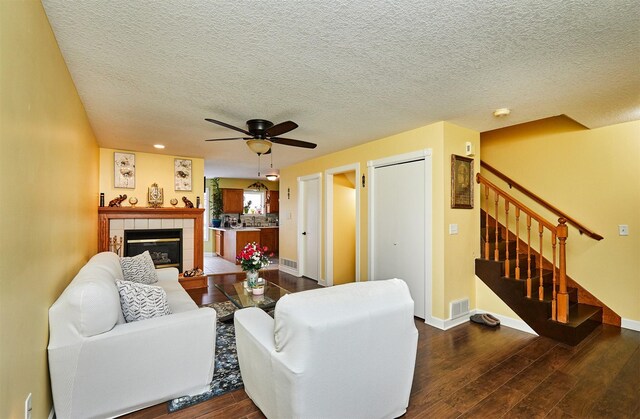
x,y
534,287
582,319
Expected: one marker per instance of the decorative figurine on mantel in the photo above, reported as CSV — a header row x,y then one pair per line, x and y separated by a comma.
x,y
115,245
133,201
187,203
115,202
155,196
173,202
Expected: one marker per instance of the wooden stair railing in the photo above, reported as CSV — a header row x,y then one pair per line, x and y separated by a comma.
x,y
512,183
560,296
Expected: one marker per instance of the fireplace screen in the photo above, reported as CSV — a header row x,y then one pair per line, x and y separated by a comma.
x,y
164,246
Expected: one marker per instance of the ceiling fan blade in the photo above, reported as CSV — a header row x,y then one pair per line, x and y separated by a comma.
x,y
224,124
292,142
281,128
225,139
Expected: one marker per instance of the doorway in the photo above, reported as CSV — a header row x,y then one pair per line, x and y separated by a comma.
x,y
342,225
400,231
309,226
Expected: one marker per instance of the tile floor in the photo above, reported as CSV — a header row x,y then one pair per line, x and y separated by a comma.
x,y
218,265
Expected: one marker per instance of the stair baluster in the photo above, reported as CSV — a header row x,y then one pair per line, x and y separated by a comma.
x,y
486,233
540,281
554,305
496,251
528,256
506,238
517,243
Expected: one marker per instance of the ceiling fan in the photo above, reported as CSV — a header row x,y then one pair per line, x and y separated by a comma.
x,y
260,134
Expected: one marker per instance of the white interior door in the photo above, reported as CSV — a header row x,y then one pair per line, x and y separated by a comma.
x,y
399,242
309,227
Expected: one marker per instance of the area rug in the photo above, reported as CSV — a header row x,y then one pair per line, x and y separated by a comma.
x,y
226,376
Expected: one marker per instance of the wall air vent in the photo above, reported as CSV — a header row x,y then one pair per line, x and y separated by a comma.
x,y
289,263
459,308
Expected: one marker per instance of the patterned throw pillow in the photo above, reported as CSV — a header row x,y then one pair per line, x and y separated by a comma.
x,y
142,301
139,269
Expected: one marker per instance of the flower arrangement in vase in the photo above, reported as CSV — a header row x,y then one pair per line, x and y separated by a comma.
x,y
252,258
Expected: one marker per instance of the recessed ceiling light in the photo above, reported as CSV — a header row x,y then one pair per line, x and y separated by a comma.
x,y
159,146
499,113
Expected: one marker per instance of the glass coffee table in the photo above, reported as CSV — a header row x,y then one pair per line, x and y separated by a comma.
x,y
242,297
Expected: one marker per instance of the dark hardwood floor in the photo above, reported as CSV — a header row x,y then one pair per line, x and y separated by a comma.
x,y
474,371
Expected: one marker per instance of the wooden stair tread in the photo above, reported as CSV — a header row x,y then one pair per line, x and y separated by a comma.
x,y
580,313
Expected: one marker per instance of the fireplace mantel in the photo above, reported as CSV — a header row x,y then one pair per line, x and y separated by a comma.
x,y
106,214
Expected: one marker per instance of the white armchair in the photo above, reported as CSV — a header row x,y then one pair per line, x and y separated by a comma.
x,y
345,351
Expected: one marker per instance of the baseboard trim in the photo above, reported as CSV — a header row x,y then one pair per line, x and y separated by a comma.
x,y
630,324
288,270
448,323
504,321
209,254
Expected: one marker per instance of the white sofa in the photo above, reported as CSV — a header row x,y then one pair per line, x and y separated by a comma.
x,y
101,366
347,351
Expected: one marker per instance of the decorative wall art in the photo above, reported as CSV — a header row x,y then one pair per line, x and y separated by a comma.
x,y
461,182
182,174
125,170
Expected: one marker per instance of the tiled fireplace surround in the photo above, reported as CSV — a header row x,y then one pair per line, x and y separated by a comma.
x,y
113,221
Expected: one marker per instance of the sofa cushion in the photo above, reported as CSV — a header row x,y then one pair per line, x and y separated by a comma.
x,y
94,299
142,301
139,269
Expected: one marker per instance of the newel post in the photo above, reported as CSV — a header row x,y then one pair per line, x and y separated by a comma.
x,y
563,297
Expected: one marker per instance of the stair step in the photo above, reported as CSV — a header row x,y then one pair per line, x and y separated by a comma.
x,y
583,318
580,313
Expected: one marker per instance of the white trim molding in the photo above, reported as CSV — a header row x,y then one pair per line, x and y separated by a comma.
x,y
504,321
630,324
328,221
289,271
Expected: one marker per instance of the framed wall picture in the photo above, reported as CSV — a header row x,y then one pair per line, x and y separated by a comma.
x,y
124,170
461,182
182,174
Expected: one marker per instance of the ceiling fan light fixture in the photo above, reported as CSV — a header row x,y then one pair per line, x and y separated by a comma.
x,y
273,175
259,146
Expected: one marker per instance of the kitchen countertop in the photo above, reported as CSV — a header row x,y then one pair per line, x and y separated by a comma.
x,y
241,228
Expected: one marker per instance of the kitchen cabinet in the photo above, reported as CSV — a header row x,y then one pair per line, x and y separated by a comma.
x,y
220,243
269,238
232,201
236,239
273,202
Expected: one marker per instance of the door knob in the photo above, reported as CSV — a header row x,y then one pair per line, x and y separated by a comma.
x,y
304,233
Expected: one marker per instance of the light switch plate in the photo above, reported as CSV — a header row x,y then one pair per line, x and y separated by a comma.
x,y
453,229
623,230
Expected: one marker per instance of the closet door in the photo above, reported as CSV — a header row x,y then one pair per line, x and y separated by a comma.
x,y
399,226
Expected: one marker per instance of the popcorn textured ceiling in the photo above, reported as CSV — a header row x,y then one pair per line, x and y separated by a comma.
x,y
347,72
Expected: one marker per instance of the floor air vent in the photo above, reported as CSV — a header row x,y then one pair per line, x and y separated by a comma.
x,y
459,308
289,263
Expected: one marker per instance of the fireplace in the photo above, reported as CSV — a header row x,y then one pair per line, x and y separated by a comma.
x,y
164,246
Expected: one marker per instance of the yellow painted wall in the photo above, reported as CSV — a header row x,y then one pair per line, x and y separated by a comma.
x,y
460,250
592,175
452,277
344,230
151,168
49,189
